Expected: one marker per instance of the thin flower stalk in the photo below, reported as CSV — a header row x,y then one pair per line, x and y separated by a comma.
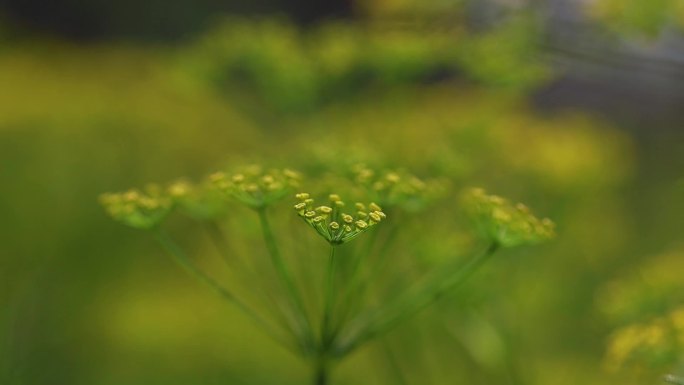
x,y
329,301
321,371
246,275
393,362
377,322
351,296
360,282
177,253
225,251
304,325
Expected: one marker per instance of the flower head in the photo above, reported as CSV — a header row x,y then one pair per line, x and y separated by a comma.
x,y
507,224
138,209
256,187
200,201
398,188
332,223
653,344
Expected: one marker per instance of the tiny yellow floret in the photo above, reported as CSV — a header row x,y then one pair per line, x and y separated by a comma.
x,y
374,207
291,173
324,209
392,177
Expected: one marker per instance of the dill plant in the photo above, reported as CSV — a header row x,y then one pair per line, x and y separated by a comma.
x,y
326,332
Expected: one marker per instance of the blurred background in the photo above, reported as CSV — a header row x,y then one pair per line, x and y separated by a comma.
x,y
574,107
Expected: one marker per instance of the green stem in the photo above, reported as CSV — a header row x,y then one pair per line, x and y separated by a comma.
x,y
362,284
394,363
350,297
227,254
321,374
182,259
230,257
326,332
286,279
380,321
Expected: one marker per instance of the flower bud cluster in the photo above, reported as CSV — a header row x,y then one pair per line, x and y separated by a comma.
x,y
202,202
333,222
398,188
654,344
256,187
507,224
141,210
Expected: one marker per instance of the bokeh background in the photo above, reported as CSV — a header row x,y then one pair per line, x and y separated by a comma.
x,y
574,107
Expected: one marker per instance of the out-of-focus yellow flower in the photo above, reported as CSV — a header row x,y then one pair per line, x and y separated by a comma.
x,y
653,344
202,202
139,209
256,187
398,188
504,223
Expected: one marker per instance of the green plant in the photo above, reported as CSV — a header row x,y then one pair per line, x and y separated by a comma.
x,y
325,330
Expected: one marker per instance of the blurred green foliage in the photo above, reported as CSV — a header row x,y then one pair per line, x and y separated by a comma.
x,y
633,17
275,64
85,301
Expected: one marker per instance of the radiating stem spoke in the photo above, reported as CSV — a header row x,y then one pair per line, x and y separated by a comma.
x,y
246,275
329,301
182,259
286,279
379,321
